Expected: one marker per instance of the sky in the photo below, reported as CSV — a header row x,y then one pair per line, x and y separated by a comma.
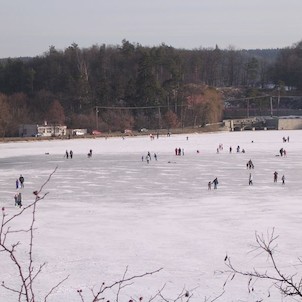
x,y
29,28
113,210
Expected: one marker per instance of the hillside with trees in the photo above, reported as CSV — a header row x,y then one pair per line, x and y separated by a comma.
x,y
130,86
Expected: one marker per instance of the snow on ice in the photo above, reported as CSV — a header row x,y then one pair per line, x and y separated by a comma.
x,y
114,210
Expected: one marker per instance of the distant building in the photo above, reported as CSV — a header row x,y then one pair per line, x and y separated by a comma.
x,y
28,130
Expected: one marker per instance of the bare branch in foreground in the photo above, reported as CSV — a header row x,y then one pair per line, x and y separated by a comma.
x,y
289,284
26,270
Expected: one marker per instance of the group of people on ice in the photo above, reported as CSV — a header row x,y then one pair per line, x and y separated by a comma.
x,y
276,177
67,154
238,149
214,182
179,151
250,165
148,157
282,152
285,139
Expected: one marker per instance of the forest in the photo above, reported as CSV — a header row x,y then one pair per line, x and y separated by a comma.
x,y
130,86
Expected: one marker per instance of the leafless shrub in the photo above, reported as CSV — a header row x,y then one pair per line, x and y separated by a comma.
x,y
28,273
288,284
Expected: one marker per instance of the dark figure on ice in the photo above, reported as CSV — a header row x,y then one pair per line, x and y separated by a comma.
x,y
250,164
17,183
71,153
209,185
215,183
18,200
66,154
283,179
281,151
275,176
21,179
89,153
250,179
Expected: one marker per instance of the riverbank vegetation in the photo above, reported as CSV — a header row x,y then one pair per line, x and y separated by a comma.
x,y
130,86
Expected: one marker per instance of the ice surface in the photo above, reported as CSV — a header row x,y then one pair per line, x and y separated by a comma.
x,y
114,210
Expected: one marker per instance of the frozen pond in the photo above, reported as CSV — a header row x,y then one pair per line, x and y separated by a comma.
x,y
114,210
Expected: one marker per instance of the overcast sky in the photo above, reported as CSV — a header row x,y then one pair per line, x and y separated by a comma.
x,y
29,27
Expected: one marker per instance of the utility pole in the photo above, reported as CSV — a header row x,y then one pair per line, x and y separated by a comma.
x,y
97,117
278,99
159,118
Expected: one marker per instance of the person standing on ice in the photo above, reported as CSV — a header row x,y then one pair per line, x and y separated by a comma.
x,y
19,200
17,183
275,176
16,199
21,179
283,179
215,183
250,179
66,154
71,153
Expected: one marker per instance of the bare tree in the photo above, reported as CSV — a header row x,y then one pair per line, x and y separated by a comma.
x,y
28,273
288,283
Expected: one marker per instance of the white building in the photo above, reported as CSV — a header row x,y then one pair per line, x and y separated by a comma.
x,y
27,130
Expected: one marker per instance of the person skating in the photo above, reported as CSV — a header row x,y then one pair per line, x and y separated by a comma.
x,y
215,183
275,176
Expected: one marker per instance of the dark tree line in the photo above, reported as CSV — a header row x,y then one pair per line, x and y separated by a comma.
x,y
66,86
